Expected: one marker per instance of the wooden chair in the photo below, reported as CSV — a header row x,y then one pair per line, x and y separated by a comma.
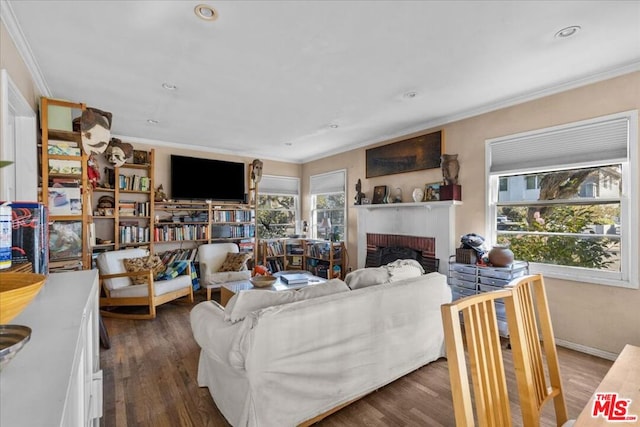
x,y
118,291
525,302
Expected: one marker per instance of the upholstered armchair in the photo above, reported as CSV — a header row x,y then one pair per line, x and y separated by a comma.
x,y
127,280
217,265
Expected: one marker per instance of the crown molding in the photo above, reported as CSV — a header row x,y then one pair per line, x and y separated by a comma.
x,y
15,32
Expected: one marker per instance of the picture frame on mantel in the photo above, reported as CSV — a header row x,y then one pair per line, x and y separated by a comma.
x,y
432,192
413,154
379,194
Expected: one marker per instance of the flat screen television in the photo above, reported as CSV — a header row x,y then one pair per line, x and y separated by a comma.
x,y
206,179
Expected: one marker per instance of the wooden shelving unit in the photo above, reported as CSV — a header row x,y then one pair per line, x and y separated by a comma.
x,y
320,257
69,218
129,223
204,222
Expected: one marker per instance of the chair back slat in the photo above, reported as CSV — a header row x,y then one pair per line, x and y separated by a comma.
x,y
485,361
535,358
531,332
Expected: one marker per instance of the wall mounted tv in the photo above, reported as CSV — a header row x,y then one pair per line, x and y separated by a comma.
x,y
206,179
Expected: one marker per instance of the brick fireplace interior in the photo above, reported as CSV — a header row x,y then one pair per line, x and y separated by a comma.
x,y
385,248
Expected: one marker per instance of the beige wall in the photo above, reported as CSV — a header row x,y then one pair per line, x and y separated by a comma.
x,y
599,317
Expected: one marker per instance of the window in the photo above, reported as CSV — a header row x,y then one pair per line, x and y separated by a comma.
x,y
563,213
278,207
328,207
504,184
533,182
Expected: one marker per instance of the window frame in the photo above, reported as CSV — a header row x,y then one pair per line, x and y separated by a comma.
x,y
276,192
313,208
628,275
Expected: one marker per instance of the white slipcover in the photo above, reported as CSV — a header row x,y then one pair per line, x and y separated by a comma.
x,y
286,364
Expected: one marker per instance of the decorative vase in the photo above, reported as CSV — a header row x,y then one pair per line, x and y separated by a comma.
x,y
418,194
500,256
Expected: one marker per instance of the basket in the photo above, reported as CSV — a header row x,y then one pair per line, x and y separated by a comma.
x,y
466,256
16,292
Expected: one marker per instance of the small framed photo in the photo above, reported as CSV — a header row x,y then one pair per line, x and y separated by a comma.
x,y
379,194
432,192
140,157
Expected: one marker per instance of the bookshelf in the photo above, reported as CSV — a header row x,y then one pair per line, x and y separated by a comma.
x,y
196,222
320,257
128,223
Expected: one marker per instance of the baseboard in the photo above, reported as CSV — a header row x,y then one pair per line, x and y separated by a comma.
x,y
588,350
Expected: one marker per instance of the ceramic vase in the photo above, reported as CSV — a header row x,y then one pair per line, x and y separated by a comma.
x,y
500,256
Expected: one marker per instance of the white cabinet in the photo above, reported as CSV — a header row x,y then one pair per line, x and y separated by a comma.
x,y
56,379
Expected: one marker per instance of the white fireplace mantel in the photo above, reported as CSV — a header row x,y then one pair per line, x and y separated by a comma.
x,y
425,219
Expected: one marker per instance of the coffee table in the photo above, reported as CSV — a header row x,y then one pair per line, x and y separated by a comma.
x,y
227,290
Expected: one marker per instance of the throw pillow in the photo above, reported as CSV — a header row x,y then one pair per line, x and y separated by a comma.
x,y
244,302
363,277
404,269
235,262
151,262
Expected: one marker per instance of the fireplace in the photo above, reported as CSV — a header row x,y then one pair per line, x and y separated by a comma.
x,y
428,226
385,248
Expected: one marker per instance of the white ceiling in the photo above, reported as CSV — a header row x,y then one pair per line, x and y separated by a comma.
x,y
268,78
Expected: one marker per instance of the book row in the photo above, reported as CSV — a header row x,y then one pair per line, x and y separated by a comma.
x,y
134,183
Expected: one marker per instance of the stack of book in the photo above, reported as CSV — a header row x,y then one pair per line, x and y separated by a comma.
x,y
294,278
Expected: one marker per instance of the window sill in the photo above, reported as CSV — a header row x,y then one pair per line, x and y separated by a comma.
x,y
577,274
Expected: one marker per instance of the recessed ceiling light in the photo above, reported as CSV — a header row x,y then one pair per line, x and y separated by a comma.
x,y
410,94
169,86
206,12
567,32
153,121
334,126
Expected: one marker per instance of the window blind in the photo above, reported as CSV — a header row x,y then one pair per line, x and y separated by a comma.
x,y
330,182
602,140
283,185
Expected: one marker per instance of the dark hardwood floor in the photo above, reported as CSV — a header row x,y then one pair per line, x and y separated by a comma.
x,y
150,380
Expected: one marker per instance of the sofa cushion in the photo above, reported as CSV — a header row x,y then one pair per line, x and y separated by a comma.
x,y
235,262
245,302
329,287
151,262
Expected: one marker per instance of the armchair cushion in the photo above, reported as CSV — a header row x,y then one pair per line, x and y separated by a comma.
x,y
160,287
111,263
235,262
151,262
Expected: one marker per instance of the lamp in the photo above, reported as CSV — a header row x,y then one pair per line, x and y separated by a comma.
x,y
326,226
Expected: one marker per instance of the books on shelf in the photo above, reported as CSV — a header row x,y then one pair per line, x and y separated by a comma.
x,y
294,278
134,183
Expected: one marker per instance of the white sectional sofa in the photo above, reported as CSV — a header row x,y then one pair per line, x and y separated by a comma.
x,y
285,364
